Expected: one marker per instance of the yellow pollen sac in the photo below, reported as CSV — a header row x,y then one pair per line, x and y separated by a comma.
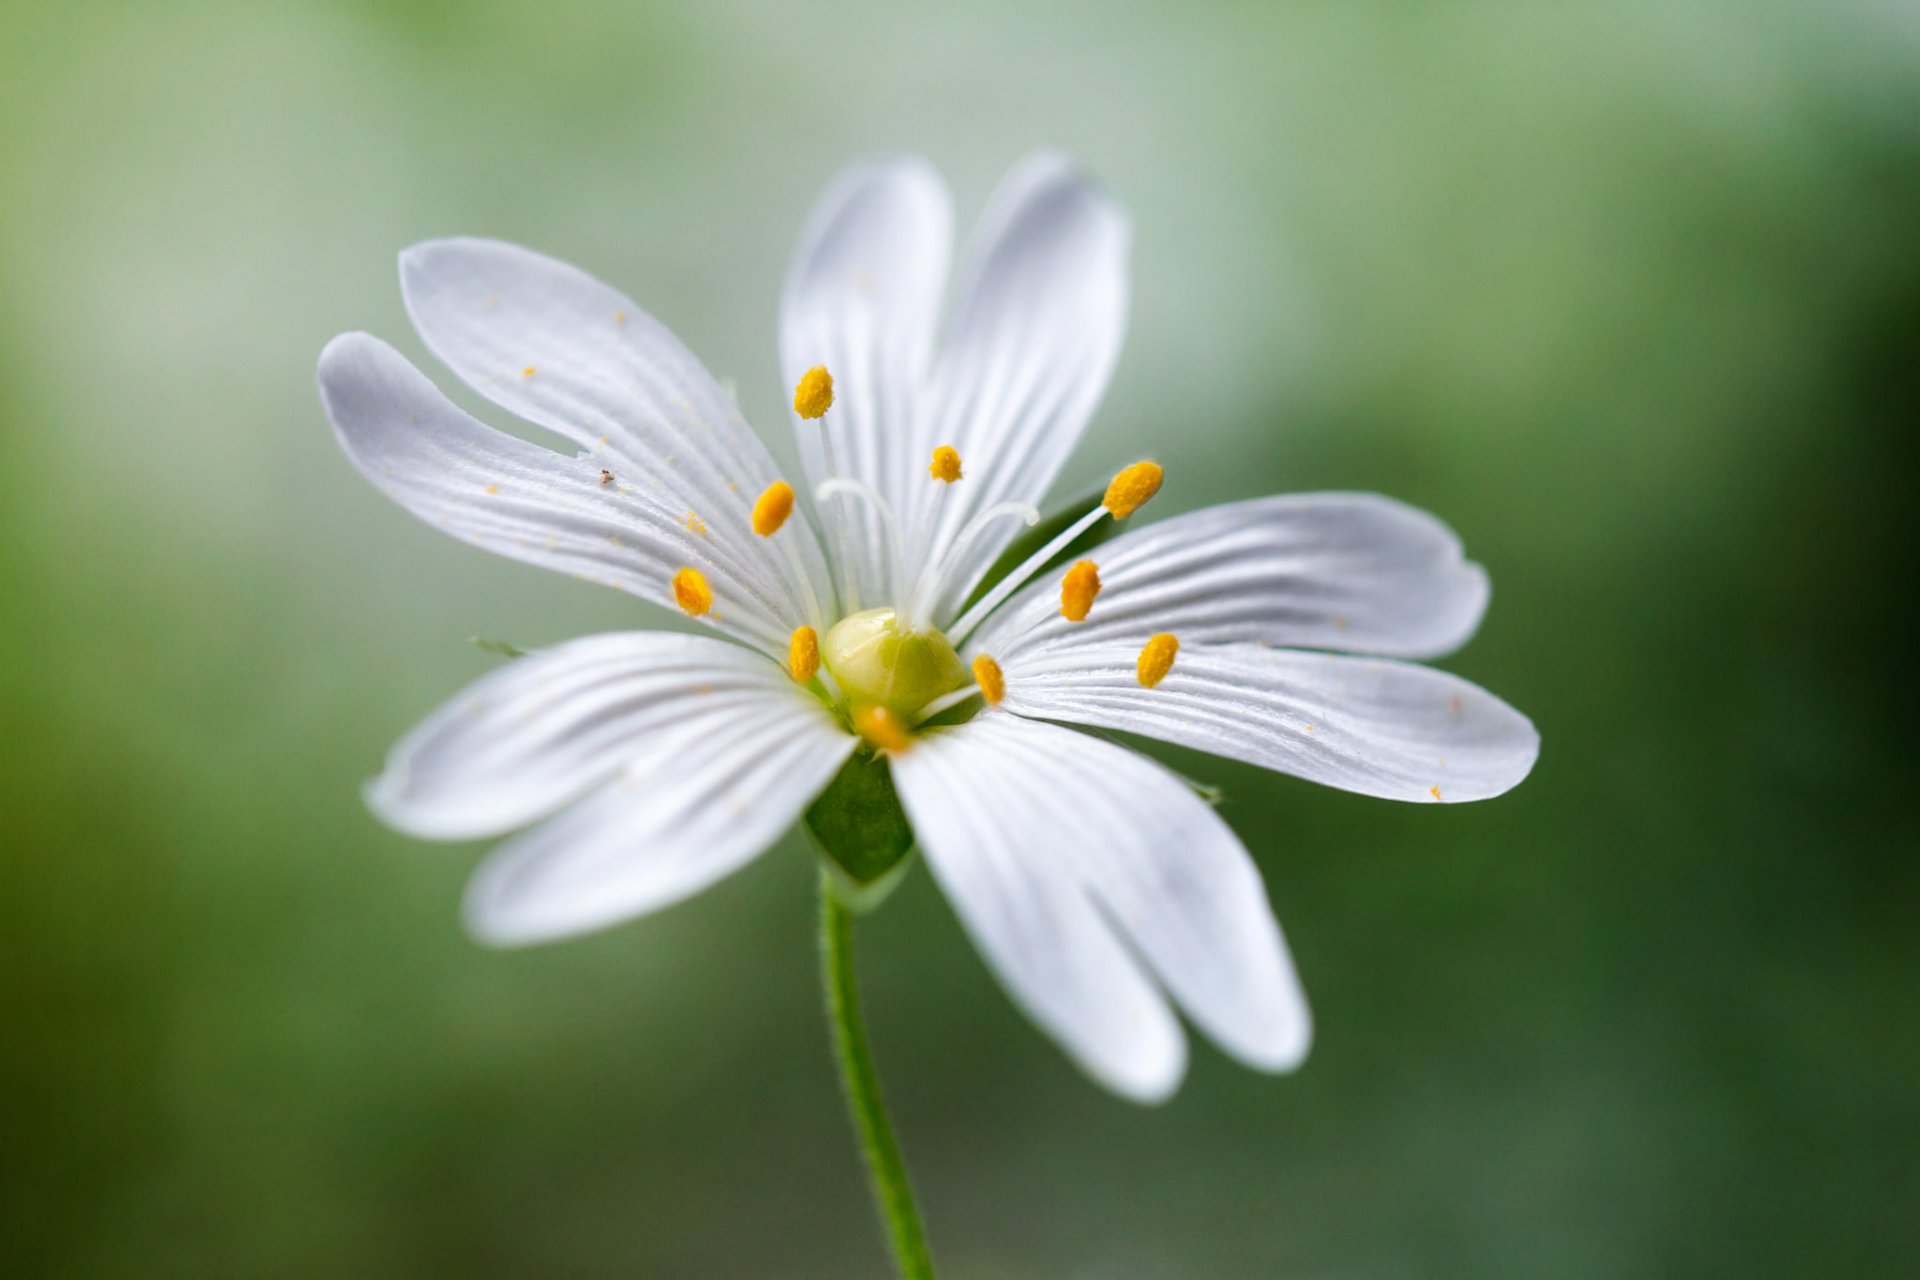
x,y
1131,489
772,507
946,464
1078,589
691,592
803,654
813,395
882,727
1157,659
986,674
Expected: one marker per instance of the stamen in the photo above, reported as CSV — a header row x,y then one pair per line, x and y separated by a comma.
x,y
933,581
803,654
1131,489
1157,659
865,492
1078,589
691,592
813,394
882,728
772,507
945,466
993,685
1127,493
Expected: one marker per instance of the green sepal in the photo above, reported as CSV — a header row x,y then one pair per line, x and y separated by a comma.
x,y
500,647
1037,537
861,831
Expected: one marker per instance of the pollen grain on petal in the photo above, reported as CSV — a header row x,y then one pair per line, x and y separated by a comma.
x,y
772,507
992,682
803,654
1156,659
813,395
1434,791
692,523
493,488
528,372
883,728
1131,488
945,466
1077,590
691,592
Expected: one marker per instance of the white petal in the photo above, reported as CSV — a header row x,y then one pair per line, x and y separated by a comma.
x,y
1371,725
714,789
544,729
995,824
1040,311
610,378
862,297
1171,875
527,502
1350,571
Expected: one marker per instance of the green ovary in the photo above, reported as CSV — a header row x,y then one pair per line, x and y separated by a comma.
x,y
880,663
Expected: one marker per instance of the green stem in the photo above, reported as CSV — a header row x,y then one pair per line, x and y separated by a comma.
x,y
888,1172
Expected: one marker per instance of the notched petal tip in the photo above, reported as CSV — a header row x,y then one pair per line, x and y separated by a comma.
x,y
360,378
1151,1082
493,918
1285,1050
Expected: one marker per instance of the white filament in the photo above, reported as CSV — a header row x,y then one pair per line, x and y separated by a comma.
x,y
846,486
933,579
972,618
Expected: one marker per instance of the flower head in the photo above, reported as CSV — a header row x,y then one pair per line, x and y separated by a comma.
x,y
644,766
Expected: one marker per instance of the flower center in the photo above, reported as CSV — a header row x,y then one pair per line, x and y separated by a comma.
x,y
881,663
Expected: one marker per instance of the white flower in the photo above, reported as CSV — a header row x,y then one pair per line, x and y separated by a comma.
x,y
1100,888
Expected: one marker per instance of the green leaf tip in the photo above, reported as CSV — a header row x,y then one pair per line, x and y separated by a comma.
x,y
500,647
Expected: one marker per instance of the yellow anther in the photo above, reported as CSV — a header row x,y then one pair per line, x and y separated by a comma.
x,y
946,464
1157,659
803,654
883,728
772,507
814,394
1078,589
691,592
1131,489
986,674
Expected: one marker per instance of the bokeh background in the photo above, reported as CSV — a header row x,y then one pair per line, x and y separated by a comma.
x,y
1628,293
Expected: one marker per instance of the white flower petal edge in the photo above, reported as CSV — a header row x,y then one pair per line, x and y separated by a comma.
x,y
1040,311
713,786
1350,571
1371,725
546,728
1077,866
862,297
551,344
529,503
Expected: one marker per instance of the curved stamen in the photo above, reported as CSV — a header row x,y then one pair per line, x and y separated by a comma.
x,y
934,580
1131,488
944,702
1018,578
848,487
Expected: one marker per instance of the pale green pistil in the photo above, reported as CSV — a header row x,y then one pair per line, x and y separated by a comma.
x,y
878,662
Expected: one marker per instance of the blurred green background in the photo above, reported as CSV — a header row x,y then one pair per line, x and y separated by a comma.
x,y
1629,294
